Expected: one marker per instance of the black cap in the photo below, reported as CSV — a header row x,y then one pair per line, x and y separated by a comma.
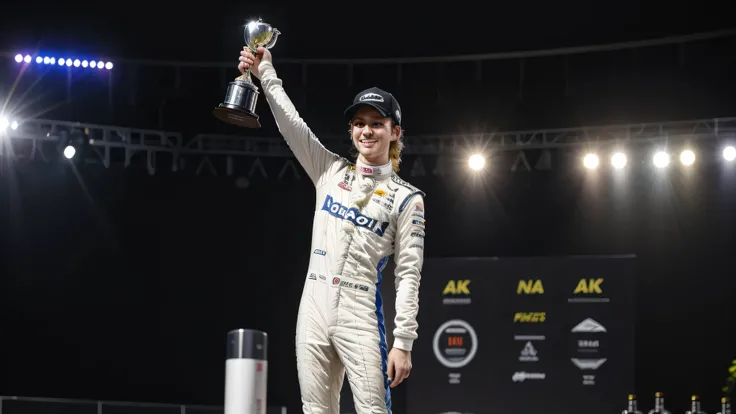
x,y
382,101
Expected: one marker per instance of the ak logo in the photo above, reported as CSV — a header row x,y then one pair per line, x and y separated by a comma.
x,y
457,292
530,317
457,287
589,286
530,287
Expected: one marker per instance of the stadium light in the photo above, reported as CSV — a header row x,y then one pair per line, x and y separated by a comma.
x,y
476,162
618,160
69,152
20,58
590,161
687,157
64,61
661,159
6,123
729,153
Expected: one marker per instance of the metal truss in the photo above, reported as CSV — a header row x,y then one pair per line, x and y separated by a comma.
x,y
593,137
115,144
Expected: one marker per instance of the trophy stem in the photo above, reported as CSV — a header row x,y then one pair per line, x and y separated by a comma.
x,y
246,76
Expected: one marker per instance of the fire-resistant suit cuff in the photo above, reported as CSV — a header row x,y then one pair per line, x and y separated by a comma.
x,y
405,344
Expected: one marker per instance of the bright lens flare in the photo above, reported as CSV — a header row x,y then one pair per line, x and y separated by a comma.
x,y
661,159
687,157
591,161
476,162
618,160
729,153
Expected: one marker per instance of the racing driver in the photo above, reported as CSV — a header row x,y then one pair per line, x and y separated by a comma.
x,y
364,213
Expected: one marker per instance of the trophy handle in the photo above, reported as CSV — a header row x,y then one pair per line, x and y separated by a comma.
x,y
274,37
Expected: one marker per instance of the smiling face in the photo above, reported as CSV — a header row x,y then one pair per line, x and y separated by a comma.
x,y
372,135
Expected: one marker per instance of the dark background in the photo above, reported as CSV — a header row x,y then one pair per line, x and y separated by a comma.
x,y
121,285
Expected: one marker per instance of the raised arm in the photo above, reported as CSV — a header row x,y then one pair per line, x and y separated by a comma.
x,y
409,257
309,151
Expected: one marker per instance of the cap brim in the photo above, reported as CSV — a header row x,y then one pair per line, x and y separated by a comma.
x,y
354,108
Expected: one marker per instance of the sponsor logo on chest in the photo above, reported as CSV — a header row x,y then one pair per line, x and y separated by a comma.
x,y
336,209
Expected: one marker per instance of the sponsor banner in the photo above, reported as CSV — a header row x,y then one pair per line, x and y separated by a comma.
x,y
524,334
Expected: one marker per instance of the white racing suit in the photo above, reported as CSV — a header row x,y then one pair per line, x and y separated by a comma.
x,y
363,214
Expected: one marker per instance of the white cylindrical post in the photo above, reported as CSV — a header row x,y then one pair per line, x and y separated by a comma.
x,y
246,369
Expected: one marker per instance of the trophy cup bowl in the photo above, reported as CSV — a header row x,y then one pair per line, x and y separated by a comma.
x,y
241,97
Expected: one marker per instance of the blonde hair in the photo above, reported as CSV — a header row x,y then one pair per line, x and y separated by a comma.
x,y
394,151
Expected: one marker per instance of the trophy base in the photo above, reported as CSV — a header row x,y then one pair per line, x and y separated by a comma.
x,y
239,105
235,115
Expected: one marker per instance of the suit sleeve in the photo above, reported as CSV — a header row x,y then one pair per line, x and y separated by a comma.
x,y
409,252
308,150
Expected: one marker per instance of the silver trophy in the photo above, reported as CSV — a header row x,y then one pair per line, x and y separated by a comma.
x,y
242,95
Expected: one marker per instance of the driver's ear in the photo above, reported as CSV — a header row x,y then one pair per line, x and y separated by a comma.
x,y
397,133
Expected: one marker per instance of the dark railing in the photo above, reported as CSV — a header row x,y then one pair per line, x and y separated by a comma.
x,y
33,405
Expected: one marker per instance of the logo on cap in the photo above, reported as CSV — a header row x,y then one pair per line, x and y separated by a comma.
x,y
371,97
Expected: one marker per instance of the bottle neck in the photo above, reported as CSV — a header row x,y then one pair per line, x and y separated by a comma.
x,y
659,404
